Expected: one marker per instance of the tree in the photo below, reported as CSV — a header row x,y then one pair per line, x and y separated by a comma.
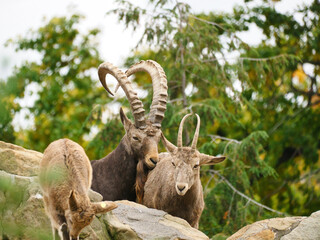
x,y
250,107
69,100
291,105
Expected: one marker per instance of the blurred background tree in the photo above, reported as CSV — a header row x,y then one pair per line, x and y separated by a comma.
x,y
258,104
63,84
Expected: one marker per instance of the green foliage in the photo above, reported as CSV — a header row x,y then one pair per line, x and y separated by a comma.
x,y
13,196
6,104
68,102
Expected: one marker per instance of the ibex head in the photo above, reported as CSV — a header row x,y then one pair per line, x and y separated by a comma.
x,y
144,134
186,161
143,142
81,213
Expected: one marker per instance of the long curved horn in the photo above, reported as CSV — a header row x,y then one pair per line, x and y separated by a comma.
x,y
196,134
179,141
136,105
160,88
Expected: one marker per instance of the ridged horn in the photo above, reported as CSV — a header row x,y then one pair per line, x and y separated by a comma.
x,y
196,134
159,85
135,103
179,141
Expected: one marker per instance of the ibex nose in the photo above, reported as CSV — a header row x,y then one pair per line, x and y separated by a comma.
x,y
181,188
154,160
151,162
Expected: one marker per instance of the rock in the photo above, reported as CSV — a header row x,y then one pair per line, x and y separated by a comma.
x,y
309,228
22,208
94,196
17,160
134,221
288,228
22,213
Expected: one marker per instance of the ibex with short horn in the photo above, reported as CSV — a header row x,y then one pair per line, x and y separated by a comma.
x,y
65,178
174,184
122,173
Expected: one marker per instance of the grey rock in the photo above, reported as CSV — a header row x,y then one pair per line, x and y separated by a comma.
x,y
309,228
147,223
288,228
18,160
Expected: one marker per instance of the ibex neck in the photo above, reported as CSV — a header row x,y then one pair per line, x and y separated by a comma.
x,y
114,175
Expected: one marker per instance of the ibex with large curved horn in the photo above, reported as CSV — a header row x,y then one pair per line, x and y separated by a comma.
x,y
174,184
122,173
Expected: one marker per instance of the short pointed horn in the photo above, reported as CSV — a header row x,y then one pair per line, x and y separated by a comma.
x,y
136,105
196,134
179,141
168,145
160,88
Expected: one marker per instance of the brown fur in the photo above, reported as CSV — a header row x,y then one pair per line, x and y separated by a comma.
x,y
141,179
119,174
65,178
178,168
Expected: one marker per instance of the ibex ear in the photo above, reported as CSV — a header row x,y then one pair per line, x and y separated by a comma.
x,y
210,160
168,145
73,201
125,120
103,207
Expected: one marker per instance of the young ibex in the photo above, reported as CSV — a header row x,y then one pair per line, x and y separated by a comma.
x,y
122,173
174,184
65,178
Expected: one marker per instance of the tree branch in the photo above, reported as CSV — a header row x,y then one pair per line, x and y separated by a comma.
x,y
243,58
278,124
208,22
250,200
214,137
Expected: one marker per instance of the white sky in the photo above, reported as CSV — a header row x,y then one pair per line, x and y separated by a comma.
x,y
18,16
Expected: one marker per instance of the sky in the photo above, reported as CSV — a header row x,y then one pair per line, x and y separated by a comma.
x,y
18,16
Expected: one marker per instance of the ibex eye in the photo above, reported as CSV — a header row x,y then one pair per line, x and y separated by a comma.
x,y
173,164
135,138
196,166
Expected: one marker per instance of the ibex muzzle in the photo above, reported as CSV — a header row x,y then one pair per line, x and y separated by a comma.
x,y
184,178
150,148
